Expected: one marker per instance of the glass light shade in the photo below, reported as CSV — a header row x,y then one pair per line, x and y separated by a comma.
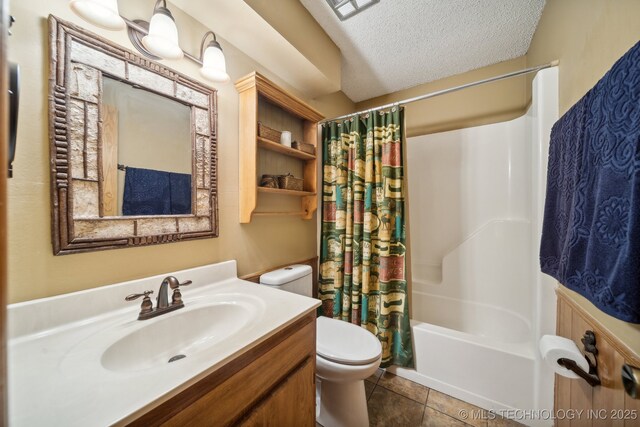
x,y
101,13
214,67
162,39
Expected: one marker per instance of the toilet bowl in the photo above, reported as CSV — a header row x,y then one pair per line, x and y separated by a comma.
x,y
346,354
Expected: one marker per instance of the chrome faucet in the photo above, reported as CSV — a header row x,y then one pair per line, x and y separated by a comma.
x,y
162,306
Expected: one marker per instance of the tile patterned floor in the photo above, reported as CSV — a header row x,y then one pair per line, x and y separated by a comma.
x,y
396,402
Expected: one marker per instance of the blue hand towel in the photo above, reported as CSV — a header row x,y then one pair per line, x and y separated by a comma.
x,y
146,192
591,230
180,193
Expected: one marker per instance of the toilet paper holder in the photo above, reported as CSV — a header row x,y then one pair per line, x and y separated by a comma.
x,y
590,353
631,380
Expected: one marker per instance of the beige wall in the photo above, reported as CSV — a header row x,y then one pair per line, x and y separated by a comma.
x,y
33,270
334,104
490,103
294,22
291,19
587,36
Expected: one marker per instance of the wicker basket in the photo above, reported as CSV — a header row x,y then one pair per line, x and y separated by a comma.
x,y
303,146
268,133
289,182
269,181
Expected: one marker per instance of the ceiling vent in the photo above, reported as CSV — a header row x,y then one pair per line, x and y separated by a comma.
x,y
345,9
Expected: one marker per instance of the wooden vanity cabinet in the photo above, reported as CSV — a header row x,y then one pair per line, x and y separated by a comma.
x,y
272,384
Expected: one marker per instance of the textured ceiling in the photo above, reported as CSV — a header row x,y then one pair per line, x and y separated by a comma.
x,y
398,44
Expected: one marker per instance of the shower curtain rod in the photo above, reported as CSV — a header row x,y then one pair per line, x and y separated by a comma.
x,y
445,91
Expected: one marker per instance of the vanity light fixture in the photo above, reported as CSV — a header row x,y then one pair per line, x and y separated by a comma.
x,y
162,39
157,39
101,13
214,67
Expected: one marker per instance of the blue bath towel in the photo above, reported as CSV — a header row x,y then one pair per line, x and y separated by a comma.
x,y
146,192
180,193
591,230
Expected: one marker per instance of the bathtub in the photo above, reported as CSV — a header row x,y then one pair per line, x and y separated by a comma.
x,y
474,352
479,303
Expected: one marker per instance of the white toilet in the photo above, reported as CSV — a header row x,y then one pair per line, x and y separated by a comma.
x,y
346,354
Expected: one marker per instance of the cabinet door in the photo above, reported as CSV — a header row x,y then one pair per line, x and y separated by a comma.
x,y
292,404
228,394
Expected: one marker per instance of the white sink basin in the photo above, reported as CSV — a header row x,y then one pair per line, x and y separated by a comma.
x,y
127,345
183,334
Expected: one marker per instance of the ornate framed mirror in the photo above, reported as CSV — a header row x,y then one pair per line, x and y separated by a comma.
x,y
132,147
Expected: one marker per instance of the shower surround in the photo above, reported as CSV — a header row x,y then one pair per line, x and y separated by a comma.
x,y
479,301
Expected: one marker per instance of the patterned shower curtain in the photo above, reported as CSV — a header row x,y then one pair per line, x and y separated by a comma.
x,y
362,255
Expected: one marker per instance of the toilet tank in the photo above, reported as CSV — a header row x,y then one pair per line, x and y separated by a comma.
x,y
294,278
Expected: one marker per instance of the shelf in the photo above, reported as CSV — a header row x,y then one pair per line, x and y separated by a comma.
x,y
267,144
285,111
284,192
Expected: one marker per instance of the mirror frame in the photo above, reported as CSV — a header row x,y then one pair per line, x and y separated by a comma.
x,y
78,60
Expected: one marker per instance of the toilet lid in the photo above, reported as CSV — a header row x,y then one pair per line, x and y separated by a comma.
x,y
346,343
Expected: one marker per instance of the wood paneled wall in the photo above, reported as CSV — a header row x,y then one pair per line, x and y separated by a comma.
x,y
604,405
279,119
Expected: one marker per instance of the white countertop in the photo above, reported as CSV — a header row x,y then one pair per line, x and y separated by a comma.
x,y
55,372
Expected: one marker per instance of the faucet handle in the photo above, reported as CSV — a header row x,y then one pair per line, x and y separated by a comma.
x,y
185,283
146,305
136,296
174,284
176,298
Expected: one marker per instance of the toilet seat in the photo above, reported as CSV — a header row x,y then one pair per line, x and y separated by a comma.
x,y
346,343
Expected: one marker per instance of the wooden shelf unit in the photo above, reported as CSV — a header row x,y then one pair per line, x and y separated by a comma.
x,y
250,89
